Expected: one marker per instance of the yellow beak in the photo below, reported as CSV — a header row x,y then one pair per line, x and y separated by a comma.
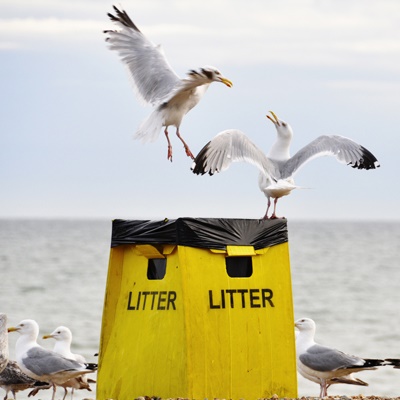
x,y
227,82
12,329
47,336
275,119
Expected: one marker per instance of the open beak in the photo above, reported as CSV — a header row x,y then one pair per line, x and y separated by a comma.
x,y
274,118
12,329
227,82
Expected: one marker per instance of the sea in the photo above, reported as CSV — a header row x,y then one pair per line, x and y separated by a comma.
x,y
345,276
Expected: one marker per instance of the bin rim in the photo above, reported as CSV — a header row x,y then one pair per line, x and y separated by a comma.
x,y
209,233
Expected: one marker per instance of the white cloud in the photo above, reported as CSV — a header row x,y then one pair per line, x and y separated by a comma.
x,y
35,26
287,32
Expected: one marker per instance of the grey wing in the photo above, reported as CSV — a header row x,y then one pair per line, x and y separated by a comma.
x,y
152,77
45,362
227,147
322,358
345,150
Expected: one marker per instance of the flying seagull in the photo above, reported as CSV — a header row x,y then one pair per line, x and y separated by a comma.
x,y
41,364
277,168
325,365
156,83
63,338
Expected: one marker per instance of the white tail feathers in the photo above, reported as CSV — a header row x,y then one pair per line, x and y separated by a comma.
x,y
280,188
150,129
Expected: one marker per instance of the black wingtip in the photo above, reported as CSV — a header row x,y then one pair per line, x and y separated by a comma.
x,y
373,362
114,19
91,366
123,18
200,162
394,362
367,160
39,383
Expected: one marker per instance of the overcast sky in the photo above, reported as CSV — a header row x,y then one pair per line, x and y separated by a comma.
x,y
68,113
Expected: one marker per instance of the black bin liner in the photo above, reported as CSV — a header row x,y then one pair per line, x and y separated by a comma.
x,y
209,233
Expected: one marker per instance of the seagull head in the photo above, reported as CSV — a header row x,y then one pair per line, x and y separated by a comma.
x,y
305,324
62,333
27,327
283,128
214,75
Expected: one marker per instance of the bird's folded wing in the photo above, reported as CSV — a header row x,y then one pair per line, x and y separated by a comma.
x,y
45,362
323,359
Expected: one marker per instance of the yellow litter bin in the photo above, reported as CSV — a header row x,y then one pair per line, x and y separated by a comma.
x,y
198,308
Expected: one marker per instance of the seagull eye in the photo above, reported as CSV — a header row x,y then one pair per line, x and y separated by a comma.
x,y
284,124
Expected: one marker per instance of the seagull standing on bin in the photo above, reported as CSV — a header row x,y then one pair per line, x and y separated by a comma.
x,y
156,83
277,168
63,338
41,364
325,365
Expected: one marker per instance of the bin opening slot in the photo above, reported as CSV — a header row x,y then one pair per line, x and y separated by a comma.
x,y
156,268
239,267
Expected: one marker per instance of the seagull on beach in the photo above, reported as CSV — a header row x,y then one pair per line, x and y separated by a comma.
x,y
63,338
325,365
41,364
349,379
277,168
156,83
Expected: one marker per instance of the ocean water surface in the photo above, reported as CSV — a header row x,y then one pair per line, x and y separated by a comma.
x,y
345,276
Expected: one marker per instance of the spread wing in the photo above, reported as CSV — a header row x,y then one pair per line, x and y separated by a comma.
x,y
227,147
152,77
345,150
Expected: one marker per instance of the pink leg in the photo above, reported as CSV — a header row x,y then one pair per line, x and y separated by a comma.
x,y
169,157
187,150
54,391
324,388
268,206
273,216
